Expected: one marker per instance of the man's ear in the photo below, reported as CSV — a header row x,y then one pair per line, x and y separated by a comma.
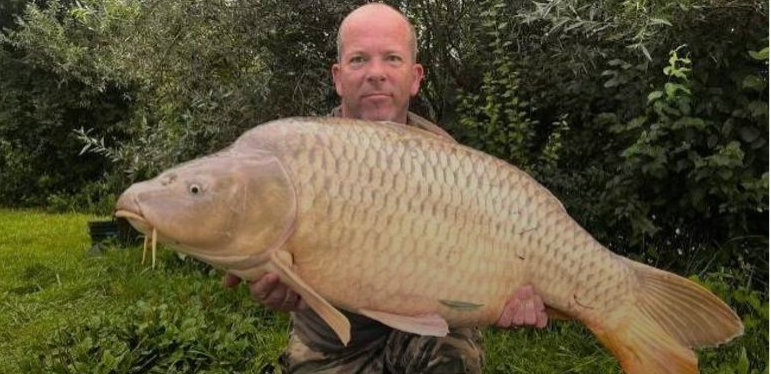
x,y
417,77
336,79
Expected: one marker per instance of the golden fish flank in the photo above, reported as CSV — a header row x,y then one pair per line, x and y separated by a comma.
x,y
420,233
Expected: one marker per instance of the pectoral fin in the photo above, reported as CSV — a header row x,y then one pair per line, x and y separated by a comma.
x,y
461,305
336,320
425,324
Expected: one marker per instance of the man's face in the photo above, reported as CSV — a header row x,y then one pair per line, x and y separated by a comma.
x,y
376,75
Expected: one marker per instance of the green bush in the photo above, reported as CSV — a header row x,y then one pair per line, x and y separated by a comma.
x,y
684,166
184,336
54,89
494,116
685,172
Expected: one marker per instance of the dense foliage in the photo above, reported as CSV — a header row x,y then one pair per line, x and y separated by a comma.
x,y
189,325
648,119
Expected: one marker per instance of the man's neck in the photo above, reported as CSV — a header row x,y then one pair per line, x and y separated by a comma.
x,y
400,118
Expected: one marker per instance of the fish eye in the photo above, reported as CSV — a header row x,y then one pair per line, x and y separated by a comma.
x,y
195,189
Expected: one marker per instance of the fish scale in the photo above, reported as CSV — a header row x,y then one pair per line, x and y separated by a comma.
x,y
419,233
444,197
440,177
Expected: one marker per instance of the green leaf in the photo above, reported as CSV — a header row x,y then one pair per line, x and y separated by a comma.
x,y
686,122
758,143
725,174
108,360
613,82
672,89
637,122
758,108
743,366
749,134
760,55
80,14
754,82
616,62
654,95
645,52
660,21
574,25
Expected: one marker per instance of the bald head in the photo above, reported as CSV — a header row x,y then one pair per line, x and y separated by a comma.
x,y
365,14
376,73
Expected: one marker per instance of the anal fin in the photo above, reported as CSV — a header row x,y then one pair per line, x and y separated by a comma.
x,y
424,324
333,317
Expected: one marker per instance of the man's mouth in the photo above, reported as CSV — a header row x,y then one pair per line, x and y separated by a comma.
x,y
376,96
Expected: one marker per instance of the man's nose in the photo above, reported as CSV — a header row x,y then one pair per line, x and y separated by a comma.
x,y
376,72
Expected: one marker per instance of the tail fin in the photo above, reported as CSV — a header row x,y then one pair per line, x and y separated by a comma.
x,y
671,315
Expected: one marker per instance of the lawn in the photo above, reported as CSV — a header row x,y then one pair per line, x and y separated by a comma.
x,y
62,310
65,311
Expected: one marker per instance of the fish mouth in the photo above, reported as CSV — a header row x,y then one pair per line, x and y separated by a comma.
x,y
141,224
128,207
136,220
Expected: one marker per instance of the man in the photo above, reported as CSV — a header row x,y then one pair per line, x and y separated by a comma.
x,y
375,76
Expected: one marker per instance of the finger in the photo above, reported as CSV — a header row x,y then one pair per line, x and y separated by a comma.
x,y
541,317
538,303
529,313
542,320
515,309
518,317
230,280
262,288
290,301
504,321
276,297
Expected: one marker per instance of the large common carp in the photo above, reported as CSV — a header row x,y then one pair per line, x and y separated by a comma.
x,y
419,233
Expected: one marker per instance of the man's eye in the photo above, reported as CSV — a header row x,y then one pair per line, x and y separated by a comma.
x,y
394,58
356,60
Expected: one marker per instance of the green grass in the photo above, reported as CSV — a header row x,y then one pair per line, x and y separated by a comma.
x,y
64,311
60,307
44,277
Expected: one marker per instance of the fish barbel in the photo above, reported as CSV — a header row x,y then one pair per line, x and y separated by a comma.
x,y
419,233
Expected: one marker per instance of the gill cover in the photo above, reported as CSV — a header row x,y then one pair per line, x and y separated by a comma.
x,y
263,211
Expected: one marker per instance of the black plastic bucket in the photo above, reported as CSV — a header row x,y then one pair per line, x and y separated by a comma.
x,y
118,229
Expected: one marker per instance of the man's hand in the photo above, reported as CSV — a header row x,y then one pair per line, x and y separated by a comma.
x,y
524,309
269,291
